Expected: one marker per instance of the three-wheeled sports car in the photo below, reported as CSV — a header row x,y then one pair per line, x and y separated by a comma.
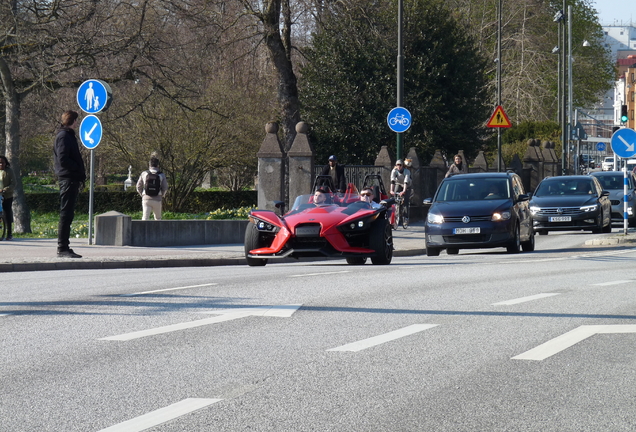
x,y
332,225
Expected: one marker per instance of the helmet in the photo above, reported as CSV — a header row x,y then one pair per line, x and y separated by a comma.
x,y
333,158
399,162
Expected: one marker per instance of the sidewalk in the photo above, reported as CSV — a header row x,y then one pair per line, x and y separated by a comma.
x,y
41,254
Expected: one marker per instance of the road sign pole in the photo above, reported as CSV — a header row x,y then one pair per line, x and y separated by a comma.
x,y
625,198
90,199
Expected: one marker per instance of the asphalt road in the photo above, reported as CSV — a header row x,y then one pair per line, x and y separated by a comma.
x,y
480,341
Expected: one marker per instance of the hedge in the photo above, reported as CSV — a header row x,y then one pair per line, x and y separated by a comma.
x,y
126,202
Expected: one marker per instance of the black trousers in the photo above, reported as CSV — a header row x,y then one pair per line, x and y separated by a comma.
x,y
68,198
7,209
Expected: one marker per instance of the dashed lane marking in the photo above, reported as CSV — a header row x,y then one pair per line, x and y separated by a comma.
x,y
161,415
524,299
319,274
617,282
387,337
168,289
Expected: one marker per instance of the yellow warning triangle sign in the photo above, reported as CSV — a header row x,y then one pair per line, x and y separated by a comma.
x,y
499,119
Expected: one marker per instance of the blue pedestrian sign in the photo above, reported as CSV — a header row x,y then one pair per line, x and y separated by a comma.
x,y
600,146
399,119
90,131
624,142
94,96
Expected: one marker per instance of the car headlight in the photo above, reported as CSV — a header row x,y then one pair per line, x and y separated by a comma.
x,y
358,224
262,225
434,218
534,209
589,208
500,216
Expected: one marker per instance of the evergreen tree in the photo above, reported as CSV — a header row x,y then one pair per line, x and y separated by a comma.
x,y
348,84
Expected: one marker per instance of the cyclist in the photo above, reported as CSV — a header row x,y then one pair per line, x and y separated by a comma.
x,y
400,182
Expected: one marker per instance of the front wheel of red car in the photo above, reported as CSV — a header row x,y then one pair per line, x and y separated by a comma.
x,y
382,242
252,241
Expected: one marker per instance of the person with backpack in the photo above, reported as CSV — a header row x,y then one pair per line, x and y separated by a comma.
x,y
152,186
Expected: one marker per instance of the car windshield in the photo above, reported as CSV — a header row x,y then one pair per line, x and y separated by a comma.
x,y
613,182
473,189
352,201
565,187
316,200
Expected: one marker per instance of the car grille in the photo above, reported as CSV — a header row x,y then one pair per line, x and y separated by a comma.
x,y
565,211
472,218
307,243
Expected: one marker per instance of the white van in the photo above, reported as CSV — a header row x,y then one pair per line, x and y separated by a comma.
x,y
608,163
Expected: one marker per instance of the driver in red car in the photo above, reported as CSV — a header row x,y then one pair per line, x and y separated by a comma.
x,y
366,196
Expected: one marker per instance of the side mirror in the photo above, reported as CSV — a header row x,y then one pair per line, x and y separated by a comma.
x,y
280,205
523,197
605,193
428,201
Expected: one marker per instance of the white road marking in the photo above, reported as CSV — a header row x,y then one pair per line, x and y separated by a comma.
x,y
387,337
319,274
5,314
167,289
161,415
525,299
571,338
618,282
281,311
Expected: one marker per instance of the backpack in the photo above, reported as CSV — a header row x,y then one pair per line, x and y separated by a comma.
x,y
152,186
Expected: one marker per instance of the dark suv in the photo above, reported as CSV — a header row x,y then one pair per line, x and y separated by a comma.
x,y
484,210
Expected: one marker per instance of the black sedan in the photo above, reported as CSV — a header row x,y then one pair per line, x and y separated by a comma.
x,y
571,203
484,210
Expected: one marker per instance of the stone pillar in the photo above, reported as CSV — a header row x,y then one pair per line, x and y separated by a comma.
x,y
440,165
480,164
384,160
301,163
416,177
532,165
270,169
549,164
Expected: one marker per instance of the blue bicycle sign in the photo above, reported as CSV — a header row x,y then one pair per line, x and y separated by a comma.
x,y
399,119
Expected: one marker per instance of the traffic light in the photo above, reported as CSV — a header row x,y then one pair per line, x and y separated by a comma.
x,y
624,114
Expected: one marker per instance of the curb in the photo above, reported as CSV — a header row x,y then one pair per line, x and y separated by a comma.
x,y
110,264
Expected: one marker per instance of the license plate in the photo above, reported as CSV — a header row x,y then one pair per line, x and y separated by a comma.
x,y
561,219
473,230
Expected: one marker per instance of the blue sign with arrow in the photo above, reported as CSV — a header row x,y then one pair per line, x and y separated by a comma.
x,y
624,142
399,119
90,131
94,96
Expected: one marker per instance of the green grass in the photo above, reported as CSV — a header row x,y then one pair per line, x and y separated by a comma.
x,y
44,225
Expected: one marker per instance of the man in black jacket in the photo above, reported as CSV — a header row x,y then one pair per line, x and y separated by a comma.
x,y
337,173
71,174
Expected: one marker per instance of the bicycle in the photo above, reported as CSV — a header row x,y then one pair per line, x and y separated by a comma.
x,y
401,212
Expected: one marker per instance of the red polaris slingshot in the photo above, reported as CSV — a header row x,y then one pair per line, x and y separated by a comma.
x,y
322,224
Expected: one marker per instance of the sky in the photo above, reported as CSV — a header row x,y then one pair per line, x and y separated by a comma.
x,y
616,12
